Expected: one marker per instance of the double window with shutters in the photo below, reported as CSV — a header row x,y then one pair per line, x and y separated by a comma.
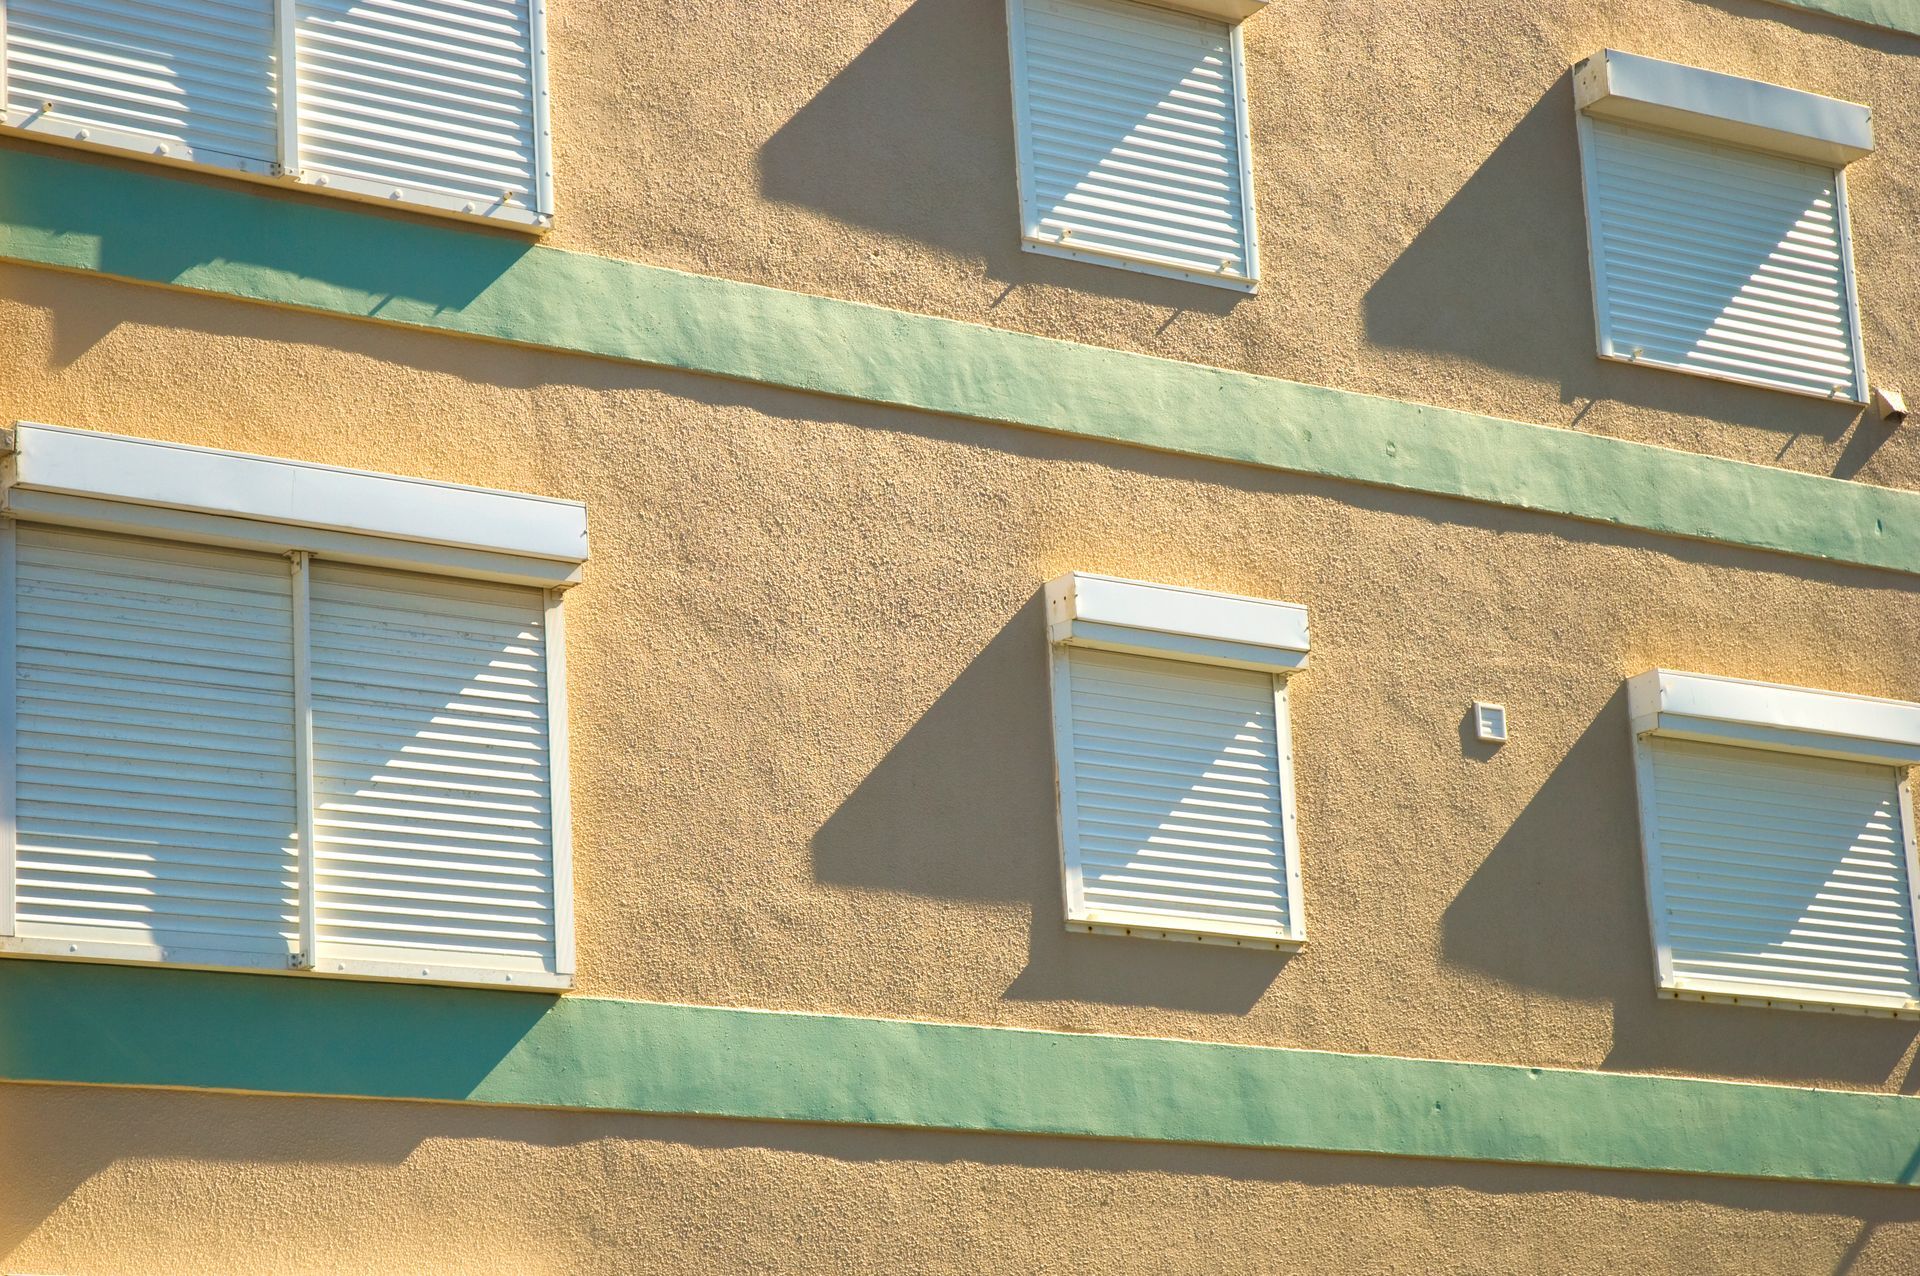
x,y
421,103
249,755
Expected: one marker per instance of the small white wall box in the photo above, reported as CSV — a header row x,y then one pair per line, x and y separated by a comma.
x,y
1174,761
1489,722
1777,825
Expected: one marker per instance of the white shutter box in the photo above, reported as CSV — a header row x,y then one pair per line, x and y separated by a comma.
x,y
1714,259
1132,137
423,100
1172,797
154,759
1779,876
433,796
188,79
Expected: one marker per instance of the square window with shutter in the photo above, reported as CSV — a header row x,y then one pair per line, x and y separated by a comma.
x,y
1131,129
1779,840
1717,225
273,757
1174,761
434,104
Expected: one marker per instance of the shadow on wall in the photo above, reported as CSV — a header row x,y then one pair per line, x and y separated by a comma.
x,y
1559,906
914,138
963,808
249,239
1500,277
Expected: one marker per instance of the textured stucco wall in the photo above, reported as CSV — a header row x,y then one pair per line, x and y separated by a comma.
x,y
811,756
128,1183
1421,225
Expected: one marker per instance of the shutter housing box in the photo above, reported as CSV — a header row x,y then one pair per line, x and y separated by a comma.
x,y
1173,761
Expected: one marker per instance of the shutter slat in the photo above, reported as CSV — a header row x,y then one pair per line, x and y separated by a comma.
x,y
155,786
466,872
1781,872
196,76
1132,135
1716,260
424,97
1153,834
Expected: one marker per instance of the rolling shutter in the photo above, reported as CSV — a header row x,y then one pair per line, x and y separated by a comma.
x,y
1780,875
193,76
155,791
1132,143
1723,261
432,771
1171,797
421,99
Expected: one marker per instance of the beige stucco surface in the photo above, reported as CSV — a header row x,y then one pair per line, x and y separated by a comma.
x,y
131,1183
1422,232
811,759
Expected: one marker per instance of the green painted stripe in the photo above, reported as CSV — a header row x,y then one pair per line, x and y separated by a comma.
x,y
154,1027
1895,15
80,215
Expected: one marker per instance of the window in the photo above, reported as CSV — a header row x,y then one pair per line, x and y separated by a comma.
x,y
1131,128
428,103
1717,224
1779,842
1174,761
236,741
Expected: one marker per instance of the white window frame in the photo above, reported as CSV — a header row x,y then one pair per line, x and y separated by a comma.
x,y
1231,14
1176,623
191,495
1800,721
285,170
1708,106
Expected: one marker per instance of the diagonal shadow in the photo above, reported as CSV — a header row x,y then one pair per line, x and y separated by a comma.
x,y
1520,219
914,138
1559,906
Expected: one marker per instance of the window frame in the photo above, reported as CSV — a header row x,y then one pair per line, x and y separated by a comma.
x,y
515,527
1589,183
1781,719
1182,626
1050,246
284,169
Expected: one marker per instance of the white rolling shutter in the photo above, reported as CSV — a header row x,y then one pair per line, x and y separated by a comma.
x,y
1777,875
1132,137
432,772
1713,259
193,79
154,780
421,100
1172,797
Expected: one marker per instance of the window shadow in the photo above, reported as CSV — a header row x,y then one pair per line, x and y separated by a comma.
x,y
962,807
914,138
1500,277
1559,906
374,259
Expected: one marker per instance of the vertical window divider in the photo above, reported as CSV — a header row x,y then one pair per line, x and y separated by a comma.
x,y
305,954
286,20
559,783
9,753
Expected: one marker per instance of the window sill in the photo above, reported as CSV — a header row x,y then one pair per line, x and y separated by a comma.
x,y
174,958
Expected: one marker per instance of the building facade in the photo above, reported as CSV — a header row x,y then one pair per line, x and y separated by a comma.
x,y
941,635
